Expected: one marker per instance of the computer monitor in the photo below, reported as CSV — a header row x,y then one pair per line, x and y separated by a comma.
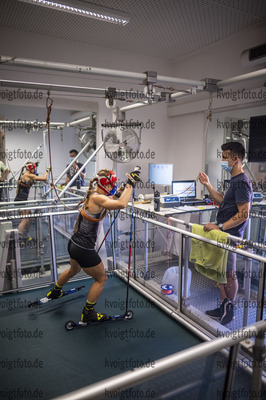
x,y
161,174
184,189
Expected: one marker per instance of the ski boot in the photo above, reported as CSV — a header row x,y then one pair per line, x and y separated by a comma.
x,y
25,239
55,293
90,315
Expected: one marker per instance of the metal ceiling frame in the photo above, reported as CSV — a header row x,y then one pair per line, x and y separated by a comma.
x,y
148,78
81,69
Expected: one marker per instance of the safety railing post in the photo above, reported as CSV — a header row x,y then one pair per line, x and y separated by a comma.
x,y
146,250
180,263
258,358
134,252
261,291
186,263
247,285
53,255
114,241
230,372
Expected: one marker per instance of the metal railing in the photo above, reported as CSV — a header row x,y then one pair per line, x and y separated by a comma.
x,y
184,235
164,365
248,265
184,256
128,379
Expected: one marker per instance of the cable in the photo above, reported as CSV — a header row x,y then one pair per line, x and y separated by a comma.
x,y
49,103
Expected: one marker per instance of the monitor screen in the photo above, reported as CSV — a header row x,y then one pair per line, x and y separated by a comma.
x,y
257,139
184,189
161,174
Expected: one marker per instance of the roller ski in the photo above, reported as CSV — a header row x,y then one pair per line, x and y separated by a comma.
x,y
69,325
55,294
91,317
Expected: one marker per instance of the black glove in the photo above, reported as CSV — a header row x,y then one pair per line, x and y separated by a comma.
x,y
134,177
120,190
117,194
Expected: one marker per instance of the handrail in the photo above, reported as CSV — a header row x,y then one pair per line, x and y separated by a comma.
x,y
12,184
17,215
163,365
37,201
235,238
36,215
194,236
48,206
169,227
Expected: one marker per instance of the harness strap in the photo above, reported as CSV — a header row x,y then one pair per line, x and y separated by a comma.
x,y
83,213
29,185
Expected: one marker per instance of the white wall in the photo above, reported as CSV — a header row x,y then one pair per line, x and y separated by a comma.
x,y
154,142
186,145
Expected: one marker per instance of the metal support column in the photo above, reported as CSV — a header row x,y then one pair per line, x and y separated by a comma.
x,y
230,372
53,253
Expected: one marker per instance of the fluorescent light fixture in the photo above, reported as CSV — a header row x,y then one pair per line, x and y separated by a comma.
x,y
84,10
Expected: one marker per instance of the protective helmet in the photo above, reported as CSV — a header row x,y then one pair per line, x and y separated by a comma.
x,y
110,179
30,166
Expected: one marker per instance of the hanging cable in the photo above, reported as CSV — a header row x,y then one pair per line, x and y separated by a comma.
x,y
209,117
49,103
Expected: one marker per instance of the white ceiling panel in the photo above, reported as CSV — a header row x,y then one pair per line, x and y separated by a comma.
x,y
167,29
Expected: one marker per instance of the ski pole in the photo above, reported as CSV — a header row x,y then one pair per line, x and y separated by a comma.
x,y
130,245
108,232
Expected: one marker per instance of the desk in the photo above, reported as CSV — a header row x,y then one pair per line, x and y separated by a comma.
x,y
192,214
165,212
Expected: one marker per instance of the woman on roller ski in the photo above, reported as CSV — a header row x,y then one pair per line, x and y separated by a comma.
x,y
28,176
81,246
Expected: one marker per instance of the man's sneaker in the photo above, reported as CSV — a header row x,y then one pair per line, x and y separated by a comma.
x,y
228,313
92,316
216,313
55,293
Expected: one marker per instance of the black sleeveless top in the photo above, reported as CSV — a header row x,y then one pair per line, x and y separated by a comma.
x,y
85,231
23,191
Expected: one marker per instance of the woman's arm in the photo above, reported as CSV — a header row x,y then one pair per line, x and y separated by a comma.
x,y
34,177
111,204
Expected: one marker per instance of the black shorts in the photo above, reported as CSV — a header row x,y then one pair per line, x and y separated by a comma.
x,y
85,258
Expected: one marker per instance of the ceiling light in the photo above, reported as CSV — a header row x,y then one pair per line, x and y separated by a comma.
x,y
84,9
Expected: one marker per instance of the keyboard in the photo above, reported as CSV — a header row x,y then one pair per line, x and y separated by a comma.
x,y
192,202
